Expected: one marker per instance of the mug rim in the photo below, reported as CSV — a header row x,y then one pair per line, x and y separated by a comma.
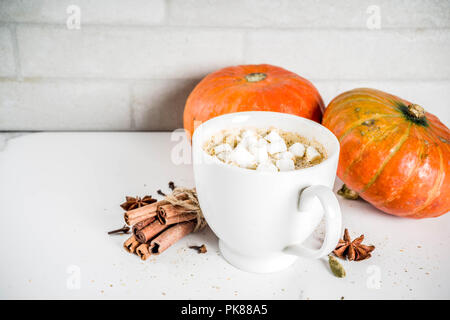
x,y
331,157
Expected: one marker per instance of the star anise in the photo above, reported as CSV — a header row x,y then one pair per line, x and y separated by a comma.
x,y
353,250
137,202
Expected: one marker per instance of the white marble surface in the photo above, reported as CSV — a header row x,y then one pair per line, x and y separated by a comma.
x,y
60,193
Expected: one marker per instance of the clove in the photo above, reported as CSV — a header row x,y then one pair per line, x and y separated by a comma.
x,y
125,229
200,249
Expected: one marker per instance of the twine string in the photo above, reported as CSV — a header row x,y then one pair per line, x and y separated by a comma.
x,y
190,202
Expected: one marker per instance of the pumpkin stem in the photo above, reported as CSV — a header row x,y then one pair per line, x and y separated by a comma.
x,y
416,111
255,77
347,193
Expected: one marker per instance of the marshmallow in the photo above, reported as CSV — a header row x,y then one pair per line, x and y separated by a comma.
x,y
242,157
248,133
222,147
312,154
262,142
276,146
259,143
224,156
285,164
249,141
264,150
273,136
297,149
260,153
267,166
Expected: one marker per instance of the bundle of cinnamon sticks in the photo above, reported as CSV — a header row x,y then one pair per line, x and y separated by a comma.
x,y
158,225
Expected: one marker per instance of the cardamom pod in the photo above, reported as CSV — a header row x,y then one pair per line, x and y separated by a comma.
x,y
347,193
337,269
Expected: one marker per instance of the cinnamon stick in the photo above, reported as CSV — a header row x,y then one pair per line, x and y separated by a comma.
x,y
170,236
186,216
150,231
143,252
139,214
131,244
142,224
167,211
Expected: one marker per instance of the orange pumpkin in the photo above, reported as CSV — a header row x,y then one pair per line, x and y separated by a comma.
x,y
251,88
393,153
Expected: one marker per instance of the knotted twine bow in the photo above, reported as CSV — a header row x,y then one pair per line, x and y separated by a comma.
x,y
190,202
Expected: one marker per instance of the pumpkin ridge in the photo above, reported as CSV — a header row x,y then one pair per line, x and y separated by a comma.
x,y
437,124
366,95
361,121
368,142
297,93
389,157
439,136
411,174
433,194
343,105
351,113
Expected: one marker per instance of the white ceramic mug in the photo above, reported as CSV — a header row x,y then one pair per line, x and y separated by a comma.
x,y
262,218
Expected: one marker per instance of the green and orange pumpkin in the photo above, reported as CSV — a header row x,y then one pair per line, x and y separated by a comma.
x,y
393,153
251,88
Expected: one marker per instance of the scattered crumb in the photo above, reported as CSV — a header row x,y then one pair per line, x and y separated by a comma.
x,y
342,298
111,285
102,291
163,293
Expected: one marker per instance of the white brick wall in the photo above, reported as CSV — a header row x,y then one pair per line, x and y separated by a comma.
x,y
138,12
61,105
309,13
115,52
7,64
354,54
159,104
132,63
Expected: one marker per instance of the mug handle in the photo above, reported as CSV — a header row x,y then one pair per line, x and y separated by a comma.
x,y
333,222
